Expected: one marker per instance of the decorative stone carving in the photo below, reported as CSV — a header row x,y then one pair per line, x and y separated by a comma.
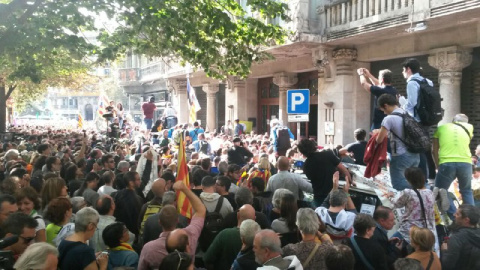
x,y
285,80
176,86
234,82
348,54
321,58
450,58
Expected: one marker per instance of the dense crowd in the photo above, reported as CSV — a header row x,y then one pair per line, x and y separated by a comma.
x,y
73,199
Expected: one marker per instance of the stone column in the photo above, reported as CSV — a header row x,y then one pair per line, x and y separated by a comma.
x,y
178,87
235,100
211,90
450,61
285,81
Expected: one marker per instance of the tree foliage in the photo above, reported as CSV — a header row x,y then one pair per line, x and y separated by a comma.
x,y
43,41
219,36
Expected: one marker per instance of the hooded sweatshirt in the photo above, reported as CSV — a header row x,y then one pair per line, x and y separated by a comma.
x,y
463,250
210,201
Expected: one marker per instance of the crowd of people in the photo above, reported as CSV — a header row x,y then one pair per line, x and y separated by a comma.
x,y
73,199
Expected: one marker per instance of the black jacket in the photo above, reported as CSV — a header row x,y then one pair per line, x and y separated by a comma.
x,y
463,250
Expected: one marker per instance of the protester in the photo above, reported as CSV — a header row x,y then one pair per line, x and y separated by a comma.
x,y
24,227
268,252
28,203
311,250
116,237
38,256
422,240
58,213
368,253
461,250
74,252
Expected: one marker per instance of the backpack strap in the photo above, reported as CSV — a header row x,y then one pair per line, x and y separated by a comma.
x,y
360,253
430,261
310,256
219,204
422,206
468,133
403,122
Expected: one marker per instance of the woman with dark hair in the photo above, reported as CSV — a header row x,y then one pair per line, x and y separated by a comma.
x,y
53,188
28,203
87,190
58,213
73,175
288,211
116,236
157,127
177,261
419,205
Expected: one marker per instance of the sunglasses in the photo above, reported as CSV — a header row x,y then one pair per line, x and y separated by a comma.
x,y
27,239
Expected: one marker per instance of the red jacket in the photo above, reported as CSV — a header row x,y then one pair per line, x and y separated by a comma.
x,y
375,155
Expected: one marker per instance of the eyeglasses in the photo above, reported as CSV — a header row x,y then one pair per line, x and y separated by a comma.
x,y
181,259
94,224
27,239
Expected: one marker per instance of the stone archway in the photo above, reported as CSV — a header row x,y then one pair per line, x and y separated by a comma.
x,y
88,112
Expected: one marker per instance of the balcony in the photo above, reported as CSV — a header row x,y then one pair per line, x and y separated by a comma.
x,y
128,76
347,18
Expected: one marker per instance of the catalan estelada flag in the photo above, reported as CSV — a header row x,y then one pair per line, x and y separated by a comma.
x,y
183,204
192,102
80,121
103,102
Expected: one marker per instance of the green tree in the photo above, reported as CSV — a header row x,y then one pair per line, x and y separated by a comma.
x,y
42,41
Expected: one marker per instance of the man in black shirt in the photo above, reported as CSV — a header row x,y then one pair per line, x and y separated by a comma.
x,y
237,154
319,168
378,87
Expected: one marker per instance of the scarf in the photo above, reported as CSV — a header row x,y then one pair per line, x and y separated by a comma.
x,y
123,246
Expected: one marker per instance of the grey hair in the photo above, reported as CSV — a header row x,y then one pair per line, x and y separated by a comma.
x,y
248,229
338,198
272,243
84,217
78,203
222,167
460,118
35,256
278,196
123,164
243,196
307,221
168,198
11,154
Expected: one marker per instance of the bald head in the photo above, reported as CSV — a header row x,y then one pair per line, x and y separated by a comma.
x,y
245,212
158,187
283,163
178,240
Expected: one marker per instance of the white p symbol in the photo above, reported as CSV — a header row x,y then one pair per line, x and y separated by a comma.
x,y
297,99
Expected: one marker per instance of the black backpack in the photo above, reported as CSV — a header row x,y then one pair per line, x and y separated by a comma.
x,y
283,139
203,146
415,137
428,107
212,226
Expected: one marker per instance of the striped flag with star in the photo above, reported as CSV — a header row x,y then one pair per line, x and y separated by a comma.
x,y
193,102
80,121
183,204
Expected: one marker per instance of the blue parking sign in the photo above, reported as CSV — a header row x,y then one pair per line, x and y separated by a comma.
x,y
298,101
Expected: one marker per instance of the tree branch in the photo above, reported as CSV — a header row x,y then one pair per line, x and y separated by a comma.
x,y
29,11
10,90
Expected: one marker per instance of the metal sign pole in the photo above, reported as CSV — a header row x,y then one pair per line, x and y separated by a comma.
x,y
298,131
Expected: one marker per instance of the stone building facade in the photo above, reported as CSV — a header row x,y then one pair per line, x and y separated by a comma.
x,y
330,40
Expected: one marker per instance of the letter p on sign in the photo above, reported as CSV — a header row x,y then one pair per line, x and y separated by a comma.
x,y
298,101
